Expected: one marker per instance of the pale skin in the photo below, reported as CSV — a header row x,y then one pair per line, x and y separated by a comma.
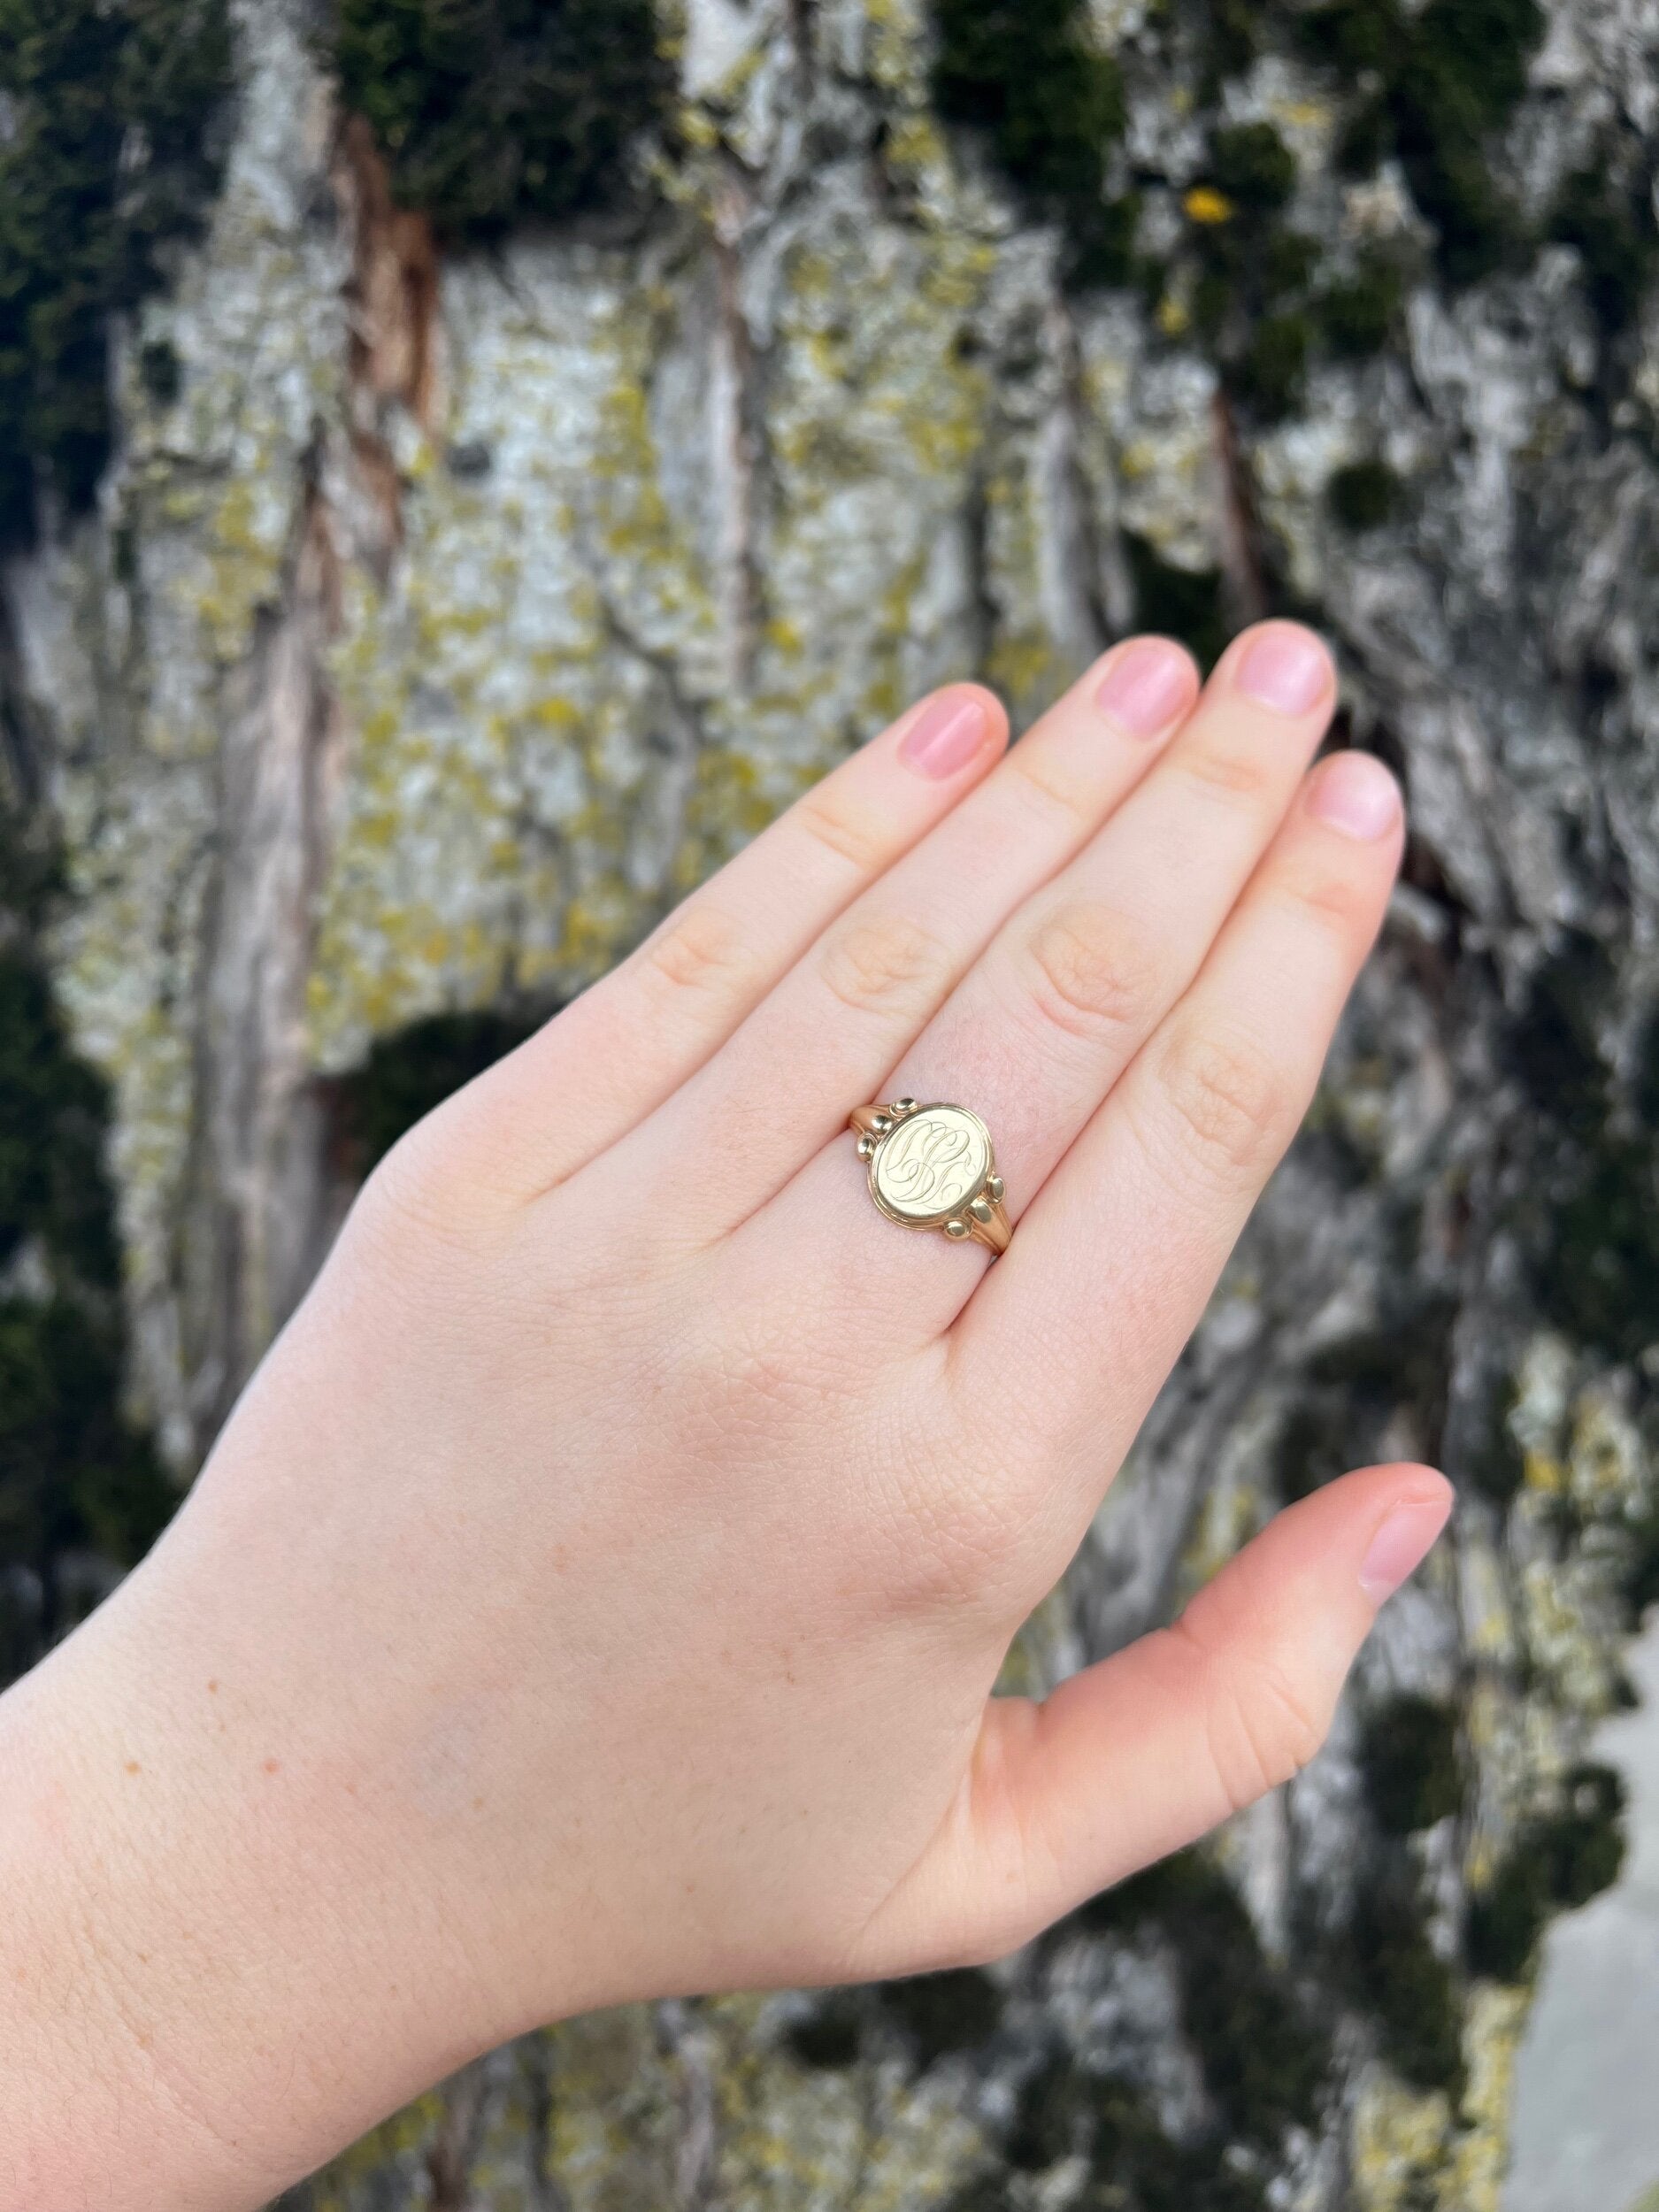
x,y
599,1591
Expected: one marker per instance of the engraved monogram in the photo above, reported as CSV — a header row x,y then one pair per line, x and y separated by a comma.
x,y
932,1163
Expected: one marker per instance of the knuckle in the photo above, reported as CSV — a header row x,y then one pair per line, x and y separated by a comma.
x,y
881,962
699,951
1227,1099
1266,1733
421,1197
1331,900
1036,773
948,1504
1091,969
852,837
1263,1727
1231,771
959,1544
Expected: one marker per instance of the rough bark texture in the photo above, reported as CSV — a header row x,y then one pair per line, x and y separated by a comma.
x,y
453,610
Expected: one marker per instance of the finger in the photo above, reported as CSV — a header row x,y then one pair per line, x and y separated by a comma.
x,y
1111,1267
616,1052
1150,1748
1045,1023
786,1080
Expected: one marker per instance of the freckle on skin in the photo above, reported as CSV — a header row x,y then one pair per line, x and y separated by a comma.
x,y
274,1766
213,1689
132,1767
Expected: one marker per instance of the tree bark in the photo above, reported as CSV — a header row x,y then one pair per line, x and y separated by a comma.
x,y
455,614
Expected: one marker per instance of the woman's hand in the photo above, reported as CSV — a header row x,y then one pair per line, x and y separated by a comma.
x,y
599,1590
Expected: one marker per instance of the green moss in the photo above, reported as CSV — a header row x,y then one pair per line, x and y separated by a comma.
x,y
936,2015
1066,2111
1640,1577
1593,1208
160,371
1269,369
1359,38
830,2038
1449,78
1313,1445
1555,1862
1138,2168
1357,1386
1552,1046
1183,602
1250,163
1599,1278
988,2191
495,111
1027,76
1053,2116
943,2013
1462,73
1496,1464
1251,295
1363,495
1358,313
1409,1990
406,1075
108,155
1263,2054
1611,225
74,1477
1413,1774
1234,31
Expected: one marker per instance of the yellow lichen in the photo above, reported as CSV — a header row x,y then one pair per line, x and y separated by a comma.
x,y
1204,204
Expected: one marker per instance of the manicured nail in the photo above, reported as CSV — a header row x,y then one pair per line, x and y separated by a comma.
x,y
1147,685
945,735
1286,667
1401,1546
1356,794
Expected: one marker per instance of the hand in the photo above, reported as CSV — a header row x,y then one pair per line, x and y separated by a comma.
x,y
599,1591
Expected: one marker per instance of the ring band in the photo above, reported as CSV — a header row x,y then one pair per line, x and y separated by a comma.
x,y
933,1167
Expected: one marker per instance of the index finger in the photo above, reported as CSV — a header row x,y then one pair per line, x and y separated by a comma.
x,y
613,1054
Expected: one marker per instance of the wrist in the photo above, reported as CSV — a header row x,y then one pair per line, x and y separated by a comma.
x,y
209,1988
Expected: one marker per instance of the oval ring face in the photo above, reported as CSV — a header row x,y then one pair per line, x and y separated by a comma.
x,y
931,1166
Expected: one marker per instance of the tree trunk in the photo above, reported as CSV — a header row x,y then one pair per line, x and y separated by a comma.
x,y
457,610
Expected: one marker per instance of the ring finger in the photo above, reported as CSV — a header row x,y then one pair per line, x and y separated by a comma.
x,y
782,1084
1072,986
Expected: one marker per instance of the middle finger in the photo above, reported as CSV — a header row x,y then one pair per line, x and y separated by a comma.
x,y
1039,1029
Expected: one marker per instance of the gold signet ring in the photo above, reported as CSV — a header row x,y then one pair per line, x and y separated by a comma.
x,y
932,1167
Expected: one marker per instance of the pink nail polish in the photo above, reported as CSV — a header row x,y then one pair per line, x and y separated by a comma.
x,y
1356,794
945,735
1401,1546
1284,667
1147,685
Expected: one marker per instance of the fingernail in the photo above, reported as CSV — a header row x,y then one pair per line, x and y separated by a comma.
x,y
1146,685
1401,1546
1284,667
945,735
1356,794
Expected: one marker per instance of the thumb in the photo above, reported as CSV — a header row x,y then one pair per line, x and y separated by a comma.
x,y
1144,1752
